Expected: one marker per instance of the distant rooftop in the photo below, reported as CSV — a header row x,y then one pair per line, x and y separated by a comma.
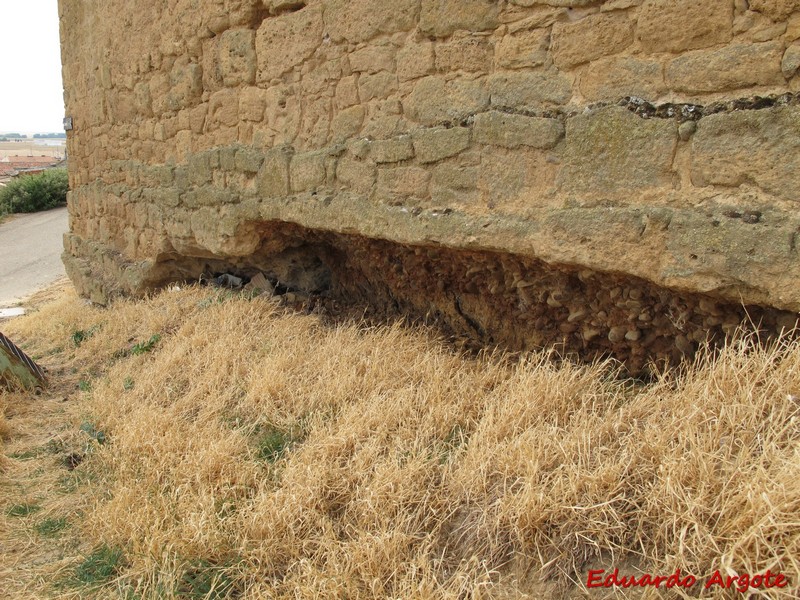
x,y
10,165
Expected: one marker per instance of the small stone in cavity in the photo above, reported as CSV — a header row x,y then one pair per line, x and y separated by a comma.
x,y
686,130
589,333
633,335
683,344
617,334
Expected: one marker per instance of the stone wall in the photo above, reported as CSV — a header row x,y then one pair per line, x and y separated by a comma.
x,y
653,142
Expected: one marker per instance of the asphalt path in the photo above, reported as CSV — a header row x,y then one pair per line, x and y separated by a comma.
x,y
30,253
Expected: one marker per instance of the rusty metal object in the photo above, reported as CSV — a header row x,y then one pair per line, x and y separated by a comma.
x,y
17,369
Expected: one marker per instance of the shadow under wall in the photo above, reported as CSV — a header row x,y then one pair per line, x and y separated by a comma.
x,y
493,299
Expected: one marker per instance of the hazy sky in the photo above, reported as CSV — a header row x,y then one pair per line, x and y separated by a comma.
x,y
31,95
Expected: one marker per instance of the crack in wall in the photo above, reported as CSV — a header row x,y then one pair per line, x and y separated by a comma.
x,y
680,111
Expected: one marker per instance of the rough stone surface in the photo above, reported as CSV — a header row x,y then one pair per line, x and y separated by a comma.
x,y
791,61
435,100
728,68
237,57
678,25
286,41
612,151
647,148
395,150
615,78
522,89
513,131
775,9
762,147
525,48
443,17
590,38
471,54
356,22
435,144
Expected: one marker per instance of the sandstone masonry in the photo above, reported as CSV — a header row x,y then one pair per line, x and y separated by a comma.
x,y
553,142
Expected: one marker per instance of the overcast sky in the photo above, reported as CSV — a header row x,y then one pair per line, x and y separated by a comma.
x,y
31,95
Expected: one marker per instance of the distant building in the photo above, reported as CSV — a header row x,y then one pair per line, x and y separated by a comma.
x,y
13,166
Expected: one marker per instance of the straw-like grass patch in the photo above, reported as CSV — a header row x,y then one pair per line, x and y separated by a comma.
x,y
346,461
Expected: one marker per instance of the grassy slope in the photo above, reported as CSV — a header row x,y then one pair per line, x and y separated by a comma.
x,y
250,451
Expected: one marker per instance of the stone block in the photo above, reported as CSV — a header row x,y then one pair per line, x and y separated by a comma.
x,y
415,60
273,177
590,38
237,57
793,28
749,146
514,180
212,75
435,100
208,196
285,41
402,182
610,5
378,86
731,67
471,54
512,131
559,3
776,10
226,157
197,118
611,150
525,48
159,132
278,6
223,108
185,86
307,171
435,144
248,160
678,25
613,78
347,123
143,101
356,175
790,61
183,145
346,92
455,177
357,22
372,59
523,89
443,17
393,150
252,103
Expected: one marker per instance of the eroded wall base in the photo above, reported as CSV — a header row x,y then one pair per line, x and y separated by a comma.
x,y
513,301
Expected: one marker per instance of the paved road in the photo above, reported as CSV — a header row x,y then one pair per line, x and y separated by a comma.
x,y
30,253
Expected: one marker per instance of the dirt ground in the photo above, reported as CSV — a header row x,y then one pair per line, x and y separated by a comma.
x,y
30,148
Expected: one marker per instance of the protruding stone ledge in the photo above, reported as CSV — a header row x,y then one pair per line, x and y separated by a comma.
x,y
490,298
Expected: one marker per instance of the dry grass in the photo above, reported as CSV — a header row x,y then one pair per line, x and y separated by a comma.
x,y
259,454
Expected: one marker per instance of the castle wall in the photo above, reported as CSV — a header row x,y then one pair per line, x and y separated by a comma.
x,y
653,140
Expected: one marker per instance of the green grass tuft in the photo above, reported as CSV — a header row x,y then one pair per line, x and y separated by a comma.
x,y
100,566
272,443
203,579
147,346
23,510
51,527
